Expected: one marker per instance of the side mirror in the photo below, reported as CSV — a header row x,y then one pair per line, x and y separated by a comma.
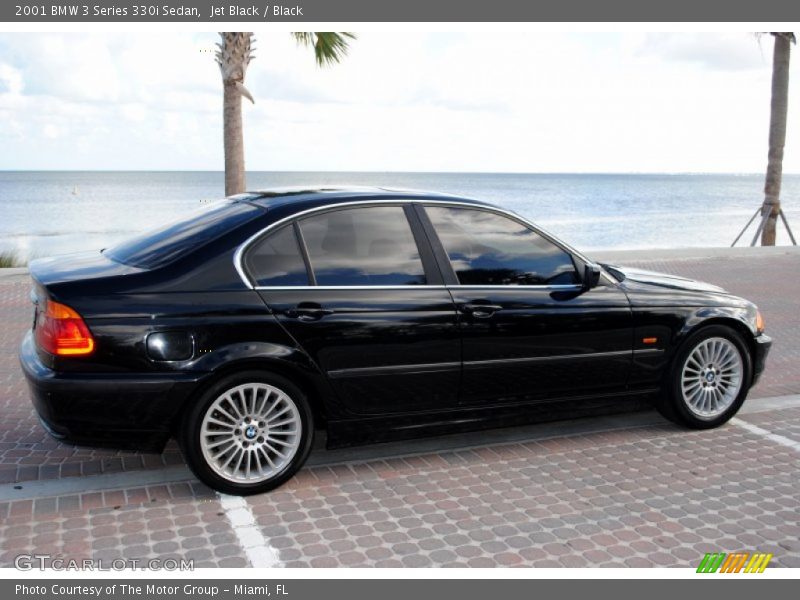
x,y
591,276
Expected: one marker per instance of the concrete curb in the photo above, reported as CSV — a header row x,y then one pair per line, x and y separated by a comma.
x,y
10,271
757,252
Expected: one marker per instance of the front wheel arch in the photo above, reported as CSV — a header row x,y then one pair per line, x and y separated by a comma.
x,y
668,403
732,323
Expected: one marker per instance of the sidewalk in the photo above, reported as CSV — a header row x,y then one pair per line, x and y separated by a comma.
x,y
626,490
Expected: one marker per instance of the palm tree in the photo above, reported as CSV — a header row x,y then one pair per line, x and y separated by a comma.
x,y
234,56
771,208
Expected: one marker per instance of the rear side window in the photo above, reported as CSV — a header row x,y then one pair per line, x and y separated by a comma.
x,y
363,246
276,260
169,242
489,249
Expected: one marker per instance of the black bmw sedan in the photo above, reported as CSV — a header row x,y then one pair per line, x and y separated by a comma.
x,y
242,329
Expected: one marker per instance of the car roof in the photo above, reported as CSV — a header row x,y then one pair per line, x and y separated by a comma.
x,y
299,196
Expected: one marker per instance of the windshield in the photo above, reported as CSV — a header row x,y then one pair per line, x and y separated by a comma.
x,y
167,243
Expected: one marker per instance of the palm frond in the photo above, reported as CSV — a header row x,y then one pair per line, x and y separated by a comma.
x,y
329,46
787,34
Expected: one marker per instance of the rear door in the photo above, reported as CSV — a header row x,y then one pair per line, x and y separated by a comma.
x,y
529,329
358,288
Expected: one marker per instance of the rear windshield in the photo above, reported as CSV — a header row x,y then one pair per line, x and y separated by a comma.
x,y
169,242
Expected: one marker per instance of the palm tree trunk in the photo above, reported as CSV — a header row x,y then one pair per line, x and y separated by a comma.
x,y
777,137
234,140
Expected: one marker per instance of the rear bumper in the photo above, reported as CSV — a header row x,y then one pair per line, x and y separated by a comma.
x,y
127,411
763,343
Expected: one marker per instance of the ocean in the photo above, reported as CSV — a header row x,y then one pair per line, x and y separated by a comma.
x,y
47,213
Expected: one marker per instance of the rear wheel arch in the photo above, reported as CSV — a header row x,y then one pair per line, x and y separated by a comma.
x,y
231,443
313,392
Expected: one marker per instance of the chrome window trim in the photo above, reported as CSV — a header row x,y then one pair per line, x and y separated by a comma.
x,y
238,255
349,287
569,286
543,287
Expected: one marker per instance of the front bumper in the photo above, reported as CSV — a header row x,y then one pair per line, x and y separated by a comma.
x,y
119,410
762,345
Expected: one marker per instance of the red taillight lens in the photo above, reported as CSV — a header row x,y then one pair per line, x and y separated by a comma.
x,y
61,331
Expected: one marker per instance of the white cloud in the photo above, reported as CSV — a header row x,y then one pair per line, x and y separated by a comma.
x,y
51,131
718,51
10,79
452,102
134,111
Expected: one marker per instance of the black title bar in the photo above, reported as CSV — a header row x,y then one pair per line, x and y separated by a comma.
x,y
211,11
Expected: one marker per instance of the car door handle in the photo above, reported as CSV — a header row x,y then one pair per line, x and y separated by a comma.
x,y
308,312
481,311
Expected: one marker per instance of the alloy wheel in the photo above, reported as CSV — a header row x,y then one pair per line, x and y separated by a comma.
x,y
250,433
712,377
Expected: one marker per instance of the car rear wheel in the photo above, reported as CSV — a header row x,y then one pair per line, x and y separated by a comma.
x,y
709,379
248,433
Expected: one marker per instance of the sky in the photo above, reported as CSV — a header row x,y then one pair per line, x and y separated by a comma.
x,y
486,102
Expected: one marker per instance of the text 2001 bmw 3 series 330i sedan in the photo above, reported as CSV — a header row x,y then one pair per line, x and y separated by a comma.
x,y
368,313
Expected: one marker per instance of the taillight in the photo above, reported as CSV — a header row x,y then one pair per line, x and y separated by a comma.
x,y
61,331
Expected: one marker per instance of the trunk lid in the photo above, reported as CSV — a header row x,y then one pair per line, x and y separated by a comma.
x,y
78,266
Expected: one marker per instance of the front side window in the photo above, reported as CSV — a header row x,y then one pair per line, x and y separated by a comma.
x,y
276,260
489,249
363,246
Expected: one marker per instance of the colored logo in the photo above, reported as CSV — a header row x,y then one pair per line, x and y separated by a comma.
x,y
738,562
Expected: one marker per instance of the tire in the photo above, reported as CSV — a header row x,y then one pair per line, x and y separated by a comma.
x,y
704,396
237,438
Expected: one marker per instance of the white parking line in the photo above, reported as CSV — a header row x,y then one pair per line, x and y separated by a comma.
x,y
252,541
765,433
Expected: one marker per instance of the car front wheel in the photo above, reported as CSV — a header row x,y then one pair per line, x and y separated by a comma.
x,y
709,379
248,433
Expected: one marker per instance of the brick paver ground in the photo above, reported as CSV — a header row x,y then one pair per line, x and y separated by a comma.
x,y
190,528
654,496
650,495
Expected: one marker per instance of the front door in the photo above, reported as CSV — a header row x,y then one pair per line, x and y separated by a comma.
x,y
360,292
529,329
